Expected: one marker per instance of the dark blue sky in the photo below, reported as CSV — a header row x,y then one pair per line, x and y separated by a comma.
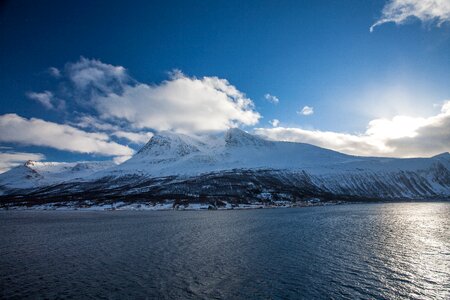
x,y
315,53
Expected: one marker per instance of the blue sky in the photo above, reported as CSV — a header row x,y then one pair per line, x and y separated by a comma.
x,y
367,93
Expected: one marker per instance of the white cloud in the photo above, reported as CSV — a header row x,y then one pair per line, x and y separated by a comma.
x,y
401,136
306,111
93,123
9,160
137,138
184,104
48,100
347,143
274,122
108,99
37,132
271,98
55,72
399,11
95,76
86,121
44,98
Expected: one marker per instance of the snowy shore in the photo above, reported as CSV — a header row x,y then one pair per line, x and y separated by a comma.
x,y
165,206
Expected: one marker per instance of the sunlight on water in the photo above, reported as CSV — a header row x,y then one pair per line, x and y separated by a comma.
x,y
417,249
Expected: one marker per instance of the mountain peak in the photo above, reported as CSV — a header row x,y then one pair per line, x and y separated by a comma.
x,y
168,143
236,137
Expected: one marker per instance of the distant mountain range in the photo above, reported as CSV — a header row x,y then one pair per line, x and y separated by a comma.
x,y
231,167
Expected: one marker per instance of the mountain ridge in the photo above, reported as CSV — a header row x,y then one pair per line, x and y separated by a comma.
x,y
231,165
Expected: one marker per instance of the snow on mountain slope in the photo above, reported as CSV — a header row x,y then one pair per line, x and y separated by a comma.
x,y
175,154
237,164
169,154
35,174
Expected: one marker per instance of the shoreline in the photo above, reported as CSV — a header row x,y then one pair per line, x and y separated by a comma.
x,y
166,206
170,206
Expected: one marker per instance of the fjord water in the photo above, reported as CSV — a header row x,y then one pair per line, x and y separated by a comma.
x,y
377,251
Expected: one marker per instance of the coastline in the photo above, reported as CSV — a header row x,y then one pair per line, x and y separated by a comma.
x,y
165,206
171,206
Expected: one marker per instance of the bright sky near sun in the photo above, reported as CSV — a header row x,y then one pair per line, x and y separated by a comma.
x,y
94,80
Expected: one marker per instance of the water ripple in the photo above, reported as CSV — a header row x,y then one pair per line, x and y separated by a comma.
x,y
373,251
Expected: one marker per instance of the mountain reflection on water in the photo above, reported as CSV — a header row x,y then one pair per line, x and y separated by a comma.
x,y
382,251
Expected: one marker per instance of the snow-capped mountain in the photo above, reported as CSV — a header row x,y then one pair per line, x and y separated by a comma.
x,y
232,166
35,174
169,154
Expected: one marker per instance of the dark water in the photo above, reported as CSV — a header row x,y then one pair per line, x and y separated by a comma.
x,y
382,251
